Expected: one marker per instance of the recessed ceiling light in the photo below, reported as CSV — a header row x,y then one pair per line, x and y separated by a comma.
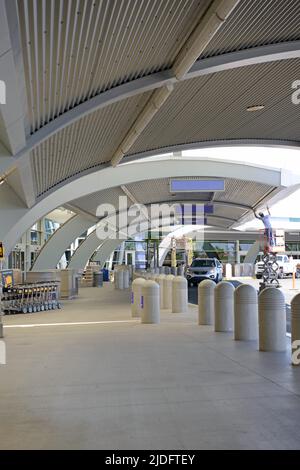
x,y
256,107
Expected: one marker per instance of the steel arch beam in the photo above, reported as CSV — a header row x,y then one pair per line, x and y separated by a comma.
x,y
60,241
22,219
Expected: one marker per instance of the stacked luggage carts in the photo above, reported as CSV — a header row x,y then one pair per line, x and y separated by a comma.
x,y
29,298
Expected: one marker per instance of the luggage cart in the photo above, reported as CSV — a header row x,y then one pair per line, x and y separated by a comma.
x,y
31,298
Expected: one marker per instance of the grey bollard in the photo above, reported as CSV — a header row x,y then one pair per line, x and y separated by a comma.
x,y
150,311
174,271
167,294
206,304
119,279
179,295
167,270
136,295
245,313
126,279
295,314
224,307
160,281
272,320
180,271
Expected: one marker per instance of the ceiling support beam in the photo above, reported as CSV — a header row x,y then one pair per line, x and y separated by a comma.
x,y
154,104
203,33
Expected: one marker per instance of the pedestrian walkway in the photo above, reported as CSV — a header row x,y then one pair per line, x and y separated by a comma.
x,y
91,377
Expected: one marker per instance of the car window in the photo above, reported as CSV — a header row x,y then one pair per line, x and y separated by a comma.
x,y
203,263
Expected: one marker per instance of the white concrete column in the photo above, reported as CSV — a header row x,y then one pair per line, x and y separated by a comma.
x,y
224,307
179,295
206,304
150,312
272,320
121,253
245,313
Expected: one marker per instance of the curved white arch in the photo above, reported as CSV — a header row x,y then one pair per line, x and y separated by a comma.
x,y
60,241
23,218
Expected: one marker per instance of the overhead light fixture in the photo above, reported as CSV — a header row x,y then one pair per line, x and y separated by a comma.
x,y
256,107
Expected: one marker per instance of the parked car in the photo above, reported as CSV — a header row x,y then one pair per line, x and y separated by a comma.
x,y
204,268
286,267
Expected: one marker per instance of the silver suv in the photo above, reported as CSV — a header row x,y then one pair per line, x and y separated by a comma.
x,y
204,268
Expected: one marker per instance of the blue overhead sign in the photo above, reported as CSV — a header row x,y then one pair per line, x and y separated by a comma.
x,y
196,185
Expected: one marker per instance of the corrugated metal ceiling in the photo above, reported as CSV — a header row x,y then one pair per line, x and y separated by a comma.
x,y
257,23
76,49
214,107
85,144
155,191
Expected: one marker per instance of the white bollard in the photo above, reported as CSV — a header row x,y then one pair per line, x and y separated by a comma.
x,y
150,312
160,281
206,305
224,307
245,313
136,295
167,294
228,270
272,320
295,336
126,278
179,295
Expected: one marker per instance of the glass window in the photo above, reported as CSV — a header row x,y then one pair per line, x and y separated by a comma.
x,y
203,263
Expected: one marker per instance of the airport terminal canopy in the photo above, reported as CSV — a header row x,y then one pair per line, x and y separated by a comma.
x,y
91,86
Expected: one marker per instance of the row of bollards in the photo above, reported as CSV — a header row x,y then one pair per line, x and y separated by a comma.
x,y
248,315
242,311
150,296
122,278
